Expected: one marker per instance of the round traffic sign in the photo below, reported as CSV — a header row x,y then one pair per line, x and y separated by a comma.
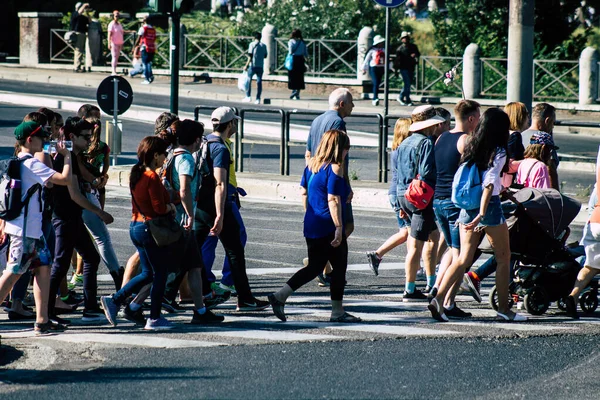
x,y
390,3
105,95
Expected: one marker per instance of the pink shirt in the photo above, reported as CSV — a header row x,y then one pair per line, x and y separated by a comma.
x,y
117,33
533,173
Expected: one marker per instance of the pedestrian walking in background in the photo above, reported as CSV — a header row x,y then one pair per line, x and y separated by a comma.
x,y
297,48
407,57
375,63
257,52
401,132
80,22
487,151
533,170
147,42
115,40
324,192
416,162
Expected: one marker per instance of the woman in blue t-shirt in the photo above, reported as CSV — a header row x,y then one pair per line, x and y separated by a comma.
x,y
324,192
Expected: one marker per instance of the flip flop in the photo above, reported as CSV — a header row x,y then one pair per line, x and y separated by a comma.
x,y
345,318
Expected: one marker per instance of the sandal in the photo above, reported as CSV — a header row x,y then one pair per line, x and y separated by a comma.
x,y
345,318
434,308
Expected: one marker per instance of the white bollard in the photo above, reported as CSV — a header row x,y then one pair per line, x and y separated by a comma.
x,y
472,71
269,36
588,76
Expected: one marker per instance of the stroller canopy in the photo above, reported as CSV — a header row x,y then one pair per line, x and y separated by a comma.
x,y
549,208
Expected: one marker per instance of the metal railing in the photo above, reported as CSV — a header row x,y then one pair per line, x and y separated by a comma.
x,y
494,77
217,53
240,140
335,58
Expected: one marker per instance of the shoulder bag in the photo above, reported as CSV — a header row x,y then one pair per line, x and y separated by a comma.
x,y
163,228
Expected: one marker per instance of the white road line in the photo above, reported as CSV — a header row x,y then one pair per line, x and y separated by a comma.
x,y
131,340
514,326
283,335
393,330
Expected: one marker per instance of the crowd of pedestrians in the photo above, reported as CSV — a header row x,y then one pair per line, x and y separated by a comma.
x,y
185,198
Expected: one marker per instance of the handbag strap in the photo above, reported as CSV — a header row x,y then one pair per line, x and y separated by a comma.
x,y
530,168
137,205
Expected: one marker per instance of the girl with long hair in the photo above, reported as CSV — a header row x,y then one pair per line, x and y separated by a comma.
x,y
149,200
297,48
487,150
324,192
401,132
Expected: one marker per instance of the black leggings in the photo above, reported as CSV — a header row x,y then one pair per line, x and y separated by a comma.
x,y
319,252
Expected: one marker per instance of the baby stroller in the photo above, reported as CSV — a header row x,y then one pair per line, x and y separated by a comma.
x,y
545,271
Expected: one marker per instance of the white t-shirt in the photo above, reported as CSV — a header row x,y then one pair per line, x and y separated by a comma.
x,y
32,171
493,173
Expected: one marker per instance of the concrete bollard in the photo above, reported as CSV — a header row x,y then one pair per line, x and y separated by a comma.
x,y
588,76
35,32
364,43
269,36
472,71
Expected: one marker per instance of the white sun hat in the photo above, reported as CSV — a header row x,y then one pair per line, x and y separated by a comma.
x,y
424,117
378,39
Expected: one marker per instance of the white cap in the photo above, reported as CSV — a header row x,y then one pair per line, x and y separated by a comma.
x,y
378,39
78,5
223,115
404,34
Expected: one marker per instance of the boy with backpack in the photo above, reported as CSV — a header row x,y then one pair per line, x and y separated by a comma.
x,y
21,207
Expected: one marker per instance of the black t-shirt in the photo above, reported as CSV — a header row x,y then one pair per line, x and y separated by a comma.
x,y
81,23
64,207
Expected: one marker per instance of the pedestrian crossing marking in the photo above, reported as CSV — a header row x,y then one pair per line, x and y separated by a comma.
x,y
399,330
130,340
281,335
513,326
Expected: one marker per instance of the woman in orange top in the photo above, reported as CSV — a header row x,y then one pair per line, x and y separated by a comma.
x,y
150,200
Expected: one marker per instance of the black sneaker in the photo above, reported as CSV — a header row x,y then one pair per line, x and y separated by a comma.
x,y
133,316
48,327
323,280
254,305
456,312
171,306
58,320
93,316
72,299
278,307
213,299
374,262
428,289
571,307
432,293
415,296
207,318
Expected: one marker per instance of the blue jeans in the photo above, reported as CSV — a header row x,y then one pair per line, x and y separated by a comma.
x,y
99,233
376,74
210,244
258,71
489,267
147,63
406,78
447,215
153,262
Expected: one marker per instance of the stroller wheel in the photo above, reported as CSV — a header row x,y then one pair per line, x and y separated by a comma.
x,y
560,303
536,301
589,301
493,299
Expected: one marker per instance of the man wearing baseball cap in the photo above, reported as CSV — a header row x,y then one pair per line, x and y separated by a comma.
x,y
407,57
27,251
214,214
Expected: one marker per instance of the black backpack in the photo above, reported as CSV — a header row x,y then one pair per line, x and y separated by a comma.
x,y
11,196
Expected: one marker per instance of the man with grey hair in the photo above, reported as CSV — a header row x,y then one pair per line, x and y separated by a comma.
x,y
340,106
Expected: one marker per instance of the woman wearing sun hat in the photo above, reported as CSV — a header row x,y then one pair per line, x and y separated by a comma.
x,y
416,160
375,63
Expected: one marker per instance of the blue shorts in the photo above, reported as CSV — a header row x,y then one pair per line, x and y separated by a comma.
x,y
396,208
447,214
493,215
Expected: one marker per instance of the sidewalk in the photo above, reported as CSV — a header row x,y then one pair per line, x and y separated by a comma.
x,y
192,87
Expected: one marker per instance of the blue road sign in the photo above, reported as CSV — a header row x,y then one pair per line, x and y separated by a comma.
x,y
390,3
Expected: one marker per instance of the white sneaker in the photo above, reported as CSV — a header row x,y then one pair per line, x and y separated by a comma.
x,y
257,101
375,102
145,82
247,99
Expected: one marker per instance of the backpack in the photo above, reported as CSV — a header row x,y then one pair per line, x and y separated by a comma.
x,y
11,196
202,155
379,57
466,187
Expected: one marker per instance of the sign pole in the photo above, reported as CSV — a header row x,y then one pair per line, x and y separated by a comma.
x,y
115,118
175,23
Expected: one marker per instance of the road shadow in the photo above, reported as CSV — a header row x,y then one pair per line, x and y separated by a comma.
x,y
9,355
99,375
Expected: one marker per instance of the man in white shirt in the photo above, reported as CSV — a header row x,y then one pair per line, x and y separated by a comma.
x,y
27,250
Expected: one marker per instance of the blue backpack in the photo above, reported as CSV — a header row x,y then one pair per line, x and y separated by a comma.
x,y
466,187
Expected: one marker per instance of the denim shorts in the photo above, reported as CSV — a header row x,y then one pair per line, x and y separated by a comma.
x,y
447,215
493,215
396,208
